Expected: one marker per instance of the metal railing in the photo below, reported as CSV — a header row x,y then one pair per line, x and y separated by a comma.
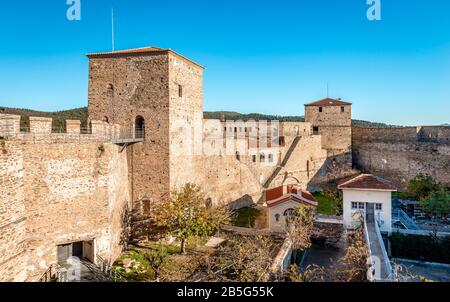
x,y
400,215
50,274
110,272
55,273
387,262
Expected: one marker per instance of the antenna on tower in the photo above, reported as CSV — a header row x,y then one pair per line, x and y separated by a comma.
x,y
112,28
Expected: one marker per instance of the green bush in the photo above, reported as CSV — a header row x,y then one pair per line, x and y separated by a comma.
x,y
437,204
416,247
421,187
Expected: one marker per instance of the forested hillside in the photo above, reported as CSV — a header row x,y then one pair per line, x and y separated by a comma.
x,y
82,114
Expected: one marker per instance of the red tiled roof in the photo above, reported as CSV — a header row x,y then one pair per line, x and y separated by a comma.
x,y
368,182
329,102
139,51
275,196
292,197
307,195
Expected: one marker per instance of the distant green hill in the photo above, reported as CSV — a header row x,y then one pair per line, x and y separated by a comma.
x,y
235,116
82,115
59,117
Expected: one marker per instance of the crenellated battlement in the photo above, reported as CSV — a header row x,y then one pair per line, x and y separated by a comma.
x,y
40,131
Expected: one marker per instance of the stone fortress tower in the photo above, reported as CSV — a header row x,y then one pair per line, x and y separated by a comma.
x,y
149,89
332,120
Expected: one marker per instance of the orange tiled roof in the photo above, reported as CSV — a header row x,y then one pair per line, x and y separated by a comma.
x,y
328,102
368,182
275,196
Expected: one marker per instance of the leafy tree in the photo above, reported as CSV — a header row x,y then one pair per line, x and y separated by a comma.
x,y
156,259
421,187
185,215
437,204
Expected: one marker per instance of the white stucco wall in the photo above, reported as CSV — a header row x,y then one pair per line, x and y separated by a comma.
x,y
368,196
280,209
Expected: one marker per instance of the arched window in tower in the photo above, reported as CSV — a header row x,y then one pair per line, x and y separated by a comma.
x,y
139,130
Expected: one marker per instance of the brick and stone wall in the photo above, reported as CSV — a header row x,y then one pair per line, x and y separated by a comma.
x,y
58,193
399,154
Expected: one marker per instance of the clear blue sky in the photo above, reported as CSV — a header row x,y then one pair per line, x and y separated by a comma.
x,y
261,56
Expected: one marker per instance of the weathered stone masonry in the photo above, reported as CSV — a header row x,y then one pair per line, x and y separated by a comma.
x,y
54,192
400,154
166,90
59,188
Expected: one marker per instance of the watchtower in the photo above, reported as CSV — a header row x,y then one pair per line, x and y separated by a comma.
x,y
149,89
332,119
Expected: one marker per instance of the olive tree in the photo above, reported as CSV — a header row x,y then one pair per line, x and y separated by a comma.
x,y
186,214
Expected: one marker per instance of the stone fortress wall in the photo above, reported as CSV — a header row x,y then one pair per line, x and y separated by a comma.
x,y
75,186
399,154
166,91
58,188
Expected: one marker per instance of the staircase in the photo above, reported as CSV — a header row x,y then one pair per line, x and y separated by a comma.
x,y
398,215
283,163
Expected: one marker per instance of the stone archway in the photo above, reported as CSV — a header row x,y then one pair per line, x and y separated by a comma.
x,y
291,180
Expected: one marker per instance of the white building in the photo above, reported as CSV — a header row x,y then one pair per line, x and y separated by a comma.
x,y
370,195
281,203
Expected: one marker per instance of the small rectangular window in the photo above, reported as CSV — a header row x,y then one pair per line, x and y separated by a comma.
x,y
362,206
180,91
342,109
254,158
270,158
320,109
354,205
315,130
379,207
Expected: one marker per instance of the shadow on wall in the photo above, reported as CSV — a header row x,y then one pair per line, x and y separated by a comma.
x,y
243,202
334,170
